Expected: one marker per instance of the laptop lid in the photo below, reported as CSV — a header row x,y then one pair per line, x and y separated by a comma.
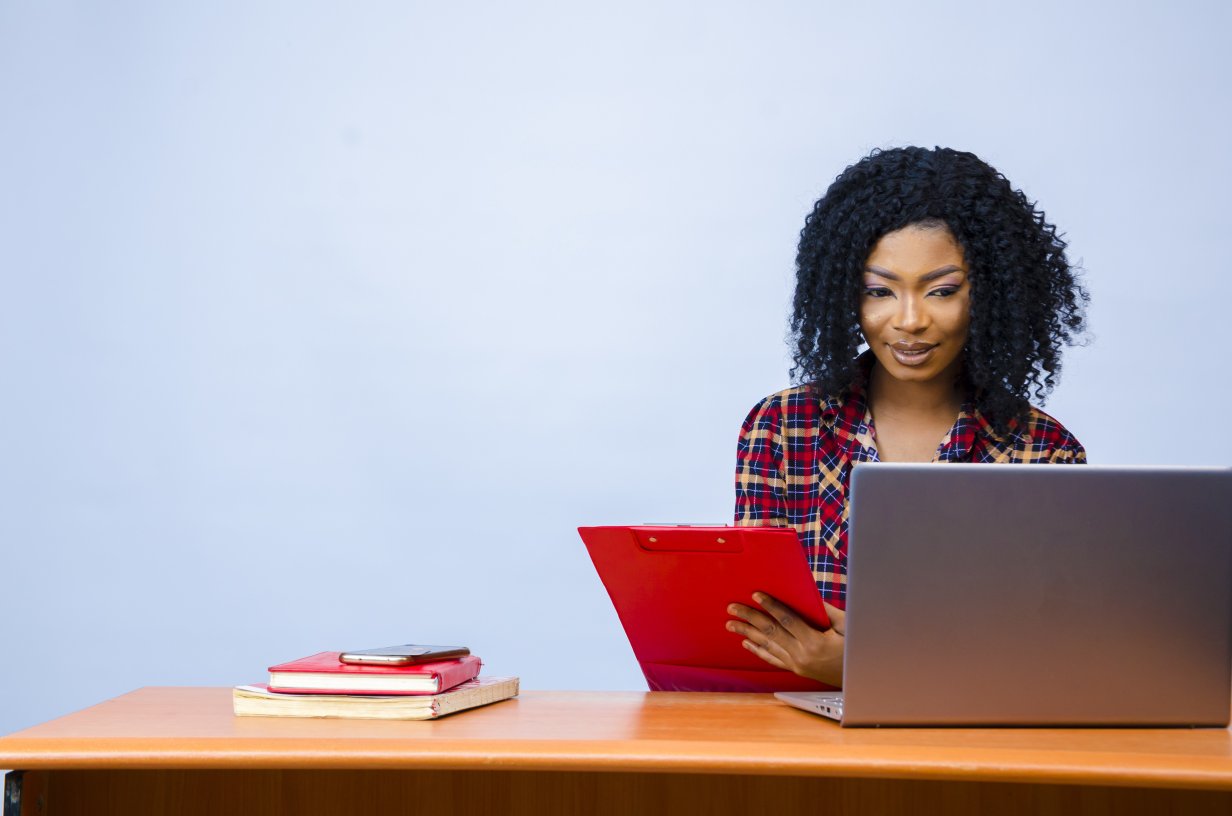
x,y
1033,595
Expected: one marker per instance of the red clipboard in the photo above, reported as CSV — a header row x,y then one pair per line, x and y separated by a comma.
x,y
671,587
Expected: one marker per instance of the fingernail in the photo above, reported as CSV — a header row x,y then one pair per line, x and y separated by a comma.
x,y
731,610
759,597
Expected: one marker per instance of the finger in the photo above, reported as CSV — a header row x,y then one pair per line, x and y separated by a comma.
x,y
765,655
765,624
784,615
740,610
755,636
751,632
838,618
742,628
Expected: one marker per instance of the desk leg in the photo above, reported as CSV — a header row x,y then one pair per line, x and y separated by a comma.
x,y
25,793
12,792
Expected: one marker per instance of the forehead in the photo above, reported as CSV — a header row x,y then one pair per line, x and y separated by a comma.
x,y
913,251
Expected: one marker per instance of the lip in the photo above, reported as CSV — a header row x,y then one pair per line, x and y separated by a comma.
x,y
912,354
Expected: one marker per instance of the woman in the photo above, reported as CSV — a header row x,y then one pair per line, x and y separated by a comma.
x,y
961,291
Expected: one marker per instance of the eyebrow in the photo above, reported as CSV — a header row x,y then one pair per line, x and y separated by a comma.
x,y
931,276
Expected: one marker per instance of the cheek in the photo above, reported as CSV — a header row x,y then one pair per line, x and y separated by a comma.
x,y
957,315
873,314
964,317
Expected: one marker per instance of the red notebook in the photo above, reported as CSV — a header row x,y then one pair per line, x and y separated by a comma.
x,y
323,673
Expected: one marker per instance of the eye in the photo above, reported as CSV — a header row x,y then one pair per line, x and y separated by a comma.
x,y
877,291
945,291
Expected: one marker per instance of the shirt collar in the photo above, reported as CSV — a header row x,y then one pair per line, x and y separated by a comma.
x,y
1000,446
970,430
847,415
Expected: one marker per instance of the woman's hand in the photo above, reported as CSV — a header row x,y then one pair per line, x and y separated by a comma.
x,y
781,638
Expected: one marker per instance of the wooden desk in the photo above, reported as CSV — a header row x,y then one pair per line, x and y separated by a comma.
x,y
180,750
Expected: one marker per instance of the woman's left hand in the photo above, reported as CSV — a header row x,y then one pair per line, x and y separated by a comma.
x,y
781,638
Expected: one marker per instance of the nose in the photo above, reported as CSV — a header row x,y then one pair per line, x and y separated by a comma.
x,y
911,317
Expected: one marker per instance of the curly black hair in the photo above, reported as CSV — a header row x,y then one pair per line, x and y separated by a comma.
x,y
1025,297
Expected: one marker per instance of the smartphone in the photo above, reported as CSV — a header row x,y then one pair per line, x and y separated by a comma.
x,y
403,655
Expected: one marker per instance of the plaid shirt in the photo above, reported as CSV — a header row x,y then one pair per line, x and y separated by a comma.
x,y
795,455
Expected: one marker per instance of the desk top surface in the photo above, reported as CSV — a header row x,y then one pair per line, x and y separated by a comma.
x,y
156,728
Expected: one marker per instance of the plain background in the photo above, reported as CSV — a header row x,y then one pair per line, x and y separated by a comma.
x,y
324,325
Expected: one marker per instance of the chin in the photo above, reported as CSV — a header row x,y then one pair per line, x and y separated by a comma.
x,y
913,374
934,370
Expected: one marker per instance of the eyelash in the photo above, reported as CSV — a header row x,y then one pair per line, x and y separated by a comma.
x,y
882,292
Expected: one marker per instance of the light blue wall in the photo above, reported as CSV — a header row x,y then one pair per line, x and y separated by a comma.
x,y
324,325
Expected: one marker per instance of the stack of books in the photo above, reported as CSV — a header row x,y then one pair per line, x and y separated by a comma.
x,y
323,686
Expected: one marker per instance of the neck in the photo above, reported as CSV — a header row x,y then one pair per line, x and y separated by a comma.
x,y
890,396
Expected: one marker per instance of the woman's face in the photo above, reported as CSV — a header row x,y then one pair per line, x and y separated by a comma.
x,y
915,305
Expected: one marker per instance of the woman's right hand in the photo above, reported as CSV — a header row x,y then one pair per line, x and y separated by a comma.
x,y
779,636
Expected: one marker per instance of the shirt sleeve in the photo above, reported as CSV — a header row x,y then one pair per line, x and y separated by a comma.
x,y
1073,454
760,484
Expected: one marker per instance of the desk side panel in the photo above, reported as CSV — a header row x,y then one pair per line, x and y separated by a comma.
x,y
304,793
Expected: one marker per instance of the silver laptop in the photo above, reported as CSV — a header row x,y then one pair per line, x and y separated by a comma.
x,y
1035,595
